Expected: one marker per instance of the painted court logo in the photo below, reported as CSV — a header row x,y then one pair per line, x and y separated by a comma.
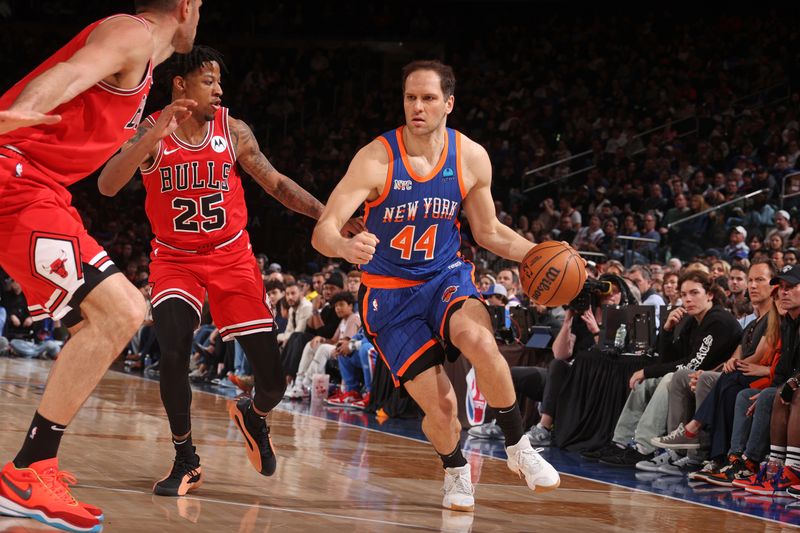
x,y
449,292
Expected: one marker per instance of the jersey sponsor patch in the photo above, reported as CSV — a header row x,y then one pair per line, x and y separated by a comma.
x,y
218,144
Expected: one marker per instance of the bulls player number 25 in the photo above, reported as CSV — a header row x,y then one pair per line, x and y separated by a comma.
x,y
213,215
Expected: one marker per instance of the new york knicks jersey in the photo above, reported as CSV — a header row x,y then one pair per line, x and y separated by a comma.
x,y
93,125
194,192
416,217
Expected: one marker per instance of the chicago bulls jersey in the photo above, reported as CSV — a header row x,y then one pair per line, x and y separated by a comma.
x,y
194,193
416,217
93,125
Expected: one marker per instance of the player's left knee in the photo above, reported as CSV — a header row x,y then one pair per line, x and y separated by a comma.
x,y
479,346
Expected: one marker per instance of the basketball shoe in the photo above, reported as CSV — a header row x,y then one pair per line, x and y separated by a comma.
x,y
41,491
524,460
185,476
256,436
458,489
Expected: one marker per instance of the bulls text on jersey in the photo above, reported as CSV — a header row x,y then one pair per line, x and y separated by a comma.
x,y
185,176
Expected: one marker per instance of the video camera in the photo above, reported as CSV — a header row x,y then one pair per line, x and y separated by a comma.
x,y
583,301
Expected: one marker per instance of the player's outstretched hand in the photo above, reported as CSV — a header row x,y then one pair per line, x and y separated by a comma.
x,y
173,116
352,227
12,120
359,249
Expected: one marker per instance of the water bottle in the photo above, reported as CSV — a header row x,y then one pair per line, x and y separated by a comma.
x,y
619,338
147,361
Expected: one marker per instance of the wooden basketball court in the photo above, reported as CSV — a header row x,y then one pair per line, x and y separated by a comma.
x,y
331,476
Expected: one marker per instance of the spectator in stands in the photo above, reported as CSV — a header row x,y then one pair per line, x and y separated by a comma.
x,y
736,248
276,292
357,358
782,228
641,276
720,269
299,311
19,324
354,284
775,243
588,237
319,349
714,395
670,290
698,336
565,231
790,256
510,280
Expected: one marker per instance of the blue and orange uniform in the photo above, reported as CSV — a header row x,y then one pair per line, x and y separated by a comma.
x,y
416,279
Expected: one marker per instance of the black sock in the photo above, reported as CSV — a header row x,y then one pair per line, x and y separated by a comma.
x,y
184,447
252,418
510,421
454,459
41,442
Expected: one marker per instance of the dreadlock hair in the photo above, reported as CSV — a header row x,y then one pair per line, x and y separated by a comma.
x,y
184,64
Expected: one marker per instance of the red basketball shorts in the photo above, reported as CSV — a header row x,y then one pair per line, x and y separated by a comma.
x,y
230,276
44,246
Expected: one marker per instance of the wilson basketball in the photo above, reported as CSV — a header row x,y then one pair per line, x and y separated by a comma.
x,y
552,274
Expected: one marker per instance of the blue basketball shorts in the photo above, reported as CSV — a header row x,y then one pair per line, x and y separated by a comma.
x,y
407,324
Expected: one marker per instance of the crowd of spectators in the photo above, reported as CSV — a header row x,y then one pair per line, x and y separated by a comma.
x,y
605,132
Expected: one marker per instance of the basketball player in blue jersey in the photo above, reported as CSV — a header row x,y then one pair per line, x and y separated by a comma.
x,y
418,295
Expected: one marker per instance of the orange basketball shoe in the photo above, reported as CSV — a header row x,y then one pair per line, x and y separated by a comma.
x,y
186,475
41,492
256,437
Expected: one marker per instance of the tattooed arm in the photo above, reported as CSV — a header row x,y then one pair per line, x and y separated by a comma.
x,y
281,187
142,148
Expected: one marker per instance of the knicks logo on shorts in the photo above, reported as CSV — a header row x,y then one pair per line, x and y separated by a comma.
x,y
449,292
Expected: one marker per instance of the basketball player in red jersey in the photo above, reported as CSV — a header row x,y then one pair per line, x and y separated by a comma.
x,y
58,125
195,203
418,289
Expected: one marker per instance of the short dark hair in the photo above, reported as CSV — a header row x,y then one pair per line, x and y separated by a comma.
x,y
343,296
184,64
155,5
773,269
272,284
447,78
740,267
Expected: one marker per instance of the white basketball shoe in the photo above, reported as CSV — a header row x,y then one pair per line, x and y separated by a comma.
x,y
524,460
458,489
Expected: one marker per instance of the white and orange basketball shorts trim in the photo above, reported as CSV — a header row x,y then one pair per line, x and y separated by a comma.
x,y
44,246
230,276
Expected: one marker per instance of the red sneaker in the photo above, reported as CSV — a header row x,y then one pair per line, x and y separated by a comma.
x,y
41,492
343,399
362,403
777,484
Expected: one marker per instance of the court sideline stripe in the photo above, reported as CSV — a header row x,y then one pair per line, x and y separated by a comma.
x,y
270,508
640,491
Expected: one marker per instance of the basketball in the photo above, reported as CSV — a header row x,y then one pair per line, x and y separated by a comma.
x,y
552,274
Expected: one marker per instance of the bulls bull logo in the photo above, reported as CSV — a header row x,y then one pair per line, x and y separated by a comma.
x,y
449,292
58,267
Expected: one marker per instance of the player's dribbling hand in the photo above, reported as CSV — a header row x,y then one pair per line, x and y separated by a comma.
x,y
173,116
12,120
360,248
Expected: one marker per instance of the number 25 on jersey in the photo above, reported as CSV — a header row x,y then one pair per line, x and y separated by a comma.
x,y
404,241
